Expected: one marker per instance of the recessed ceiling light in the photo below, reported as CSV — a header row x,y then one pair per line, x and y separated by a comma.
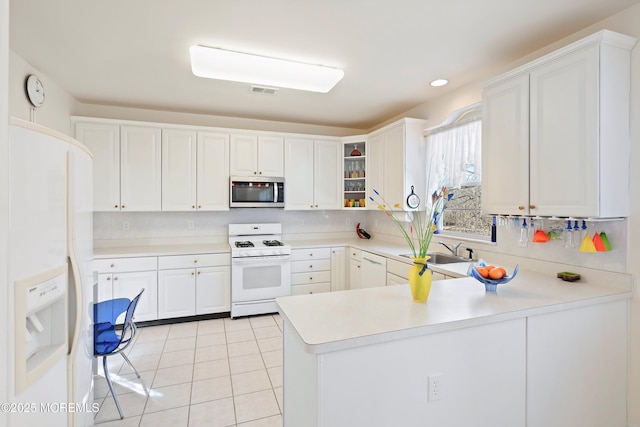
x,y
439,82
223,64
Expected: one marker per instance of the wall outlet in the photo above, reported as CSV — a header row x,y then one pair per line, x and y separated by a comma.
x,y
125,225
192,225
435,387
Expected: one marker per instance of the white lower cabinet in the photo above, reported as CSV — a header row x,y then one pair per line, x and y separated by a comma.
x,y
374,270
193,284
125,278
355,268
310,271
397,272
338,269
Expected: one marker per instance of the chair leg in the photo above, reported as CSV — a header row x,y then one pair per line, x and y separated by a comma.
x,y
126,359
113,392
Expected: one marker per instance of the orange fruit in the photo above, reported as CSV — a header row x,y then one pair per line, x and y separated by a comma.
x,y
483,271
490,267
497,273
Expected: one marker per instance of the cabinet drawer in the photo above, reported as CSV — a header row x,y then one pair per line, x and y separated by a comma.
x,y
315,288
188,261
392,279
312,253
306,278
113,265
310,265
398,268
355,254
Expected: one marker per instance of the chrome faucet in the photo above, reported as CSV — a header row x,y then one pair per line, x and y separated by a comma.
x,y
453,249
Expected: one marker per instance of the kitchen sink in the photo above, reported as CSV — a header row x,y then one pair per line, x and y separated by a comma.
x,y
438,258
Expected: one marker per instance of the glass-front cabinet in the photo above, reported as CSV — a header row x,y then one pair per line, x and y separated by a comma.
x,y
354,173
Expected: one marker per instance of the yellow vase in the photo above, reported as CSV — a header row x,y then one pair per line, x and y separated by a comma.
x,y
420,284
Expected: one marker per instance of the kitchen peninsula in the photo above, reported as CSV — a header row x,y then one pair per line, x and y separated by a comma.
x,y
538,352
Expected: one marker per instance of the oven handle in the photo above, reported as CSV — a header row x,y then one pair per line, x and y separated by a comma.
x,y
260,259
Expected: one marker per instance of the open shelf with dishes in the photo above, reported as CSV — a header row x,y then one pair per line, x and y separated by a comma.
x,y
354,174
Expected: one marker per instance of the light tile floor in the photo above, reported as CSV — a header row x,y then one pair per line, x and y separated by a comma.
x,y
213,373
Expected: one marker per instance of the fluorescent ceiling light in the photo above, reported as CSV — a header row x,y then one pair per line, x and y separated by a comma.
x,y
222,64
439,82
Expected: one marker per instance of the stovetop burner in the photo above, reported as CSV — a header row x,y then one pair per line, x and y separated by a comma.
x,y
244,244
272,243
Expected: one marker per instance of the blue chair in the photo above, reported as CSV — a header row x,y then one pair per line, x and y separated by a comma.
x,y
107,341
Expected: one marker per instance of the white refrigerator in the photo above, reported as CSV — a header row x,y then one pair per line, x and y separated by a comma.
x,y
50,279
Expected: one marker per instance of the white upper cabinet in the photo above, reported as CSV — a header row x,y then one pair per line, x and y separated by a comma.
x,y
213,171
257,155
556,133
104,142
195,171
127,168
178,170
313,174
140,168
396,156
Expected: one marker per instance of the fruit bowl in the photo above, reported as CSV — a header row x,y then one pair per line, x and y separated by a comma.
x,y
489,284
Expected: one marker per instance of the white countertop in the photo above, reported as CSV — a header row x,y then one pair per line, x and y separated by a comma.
x,y
340,320
159,250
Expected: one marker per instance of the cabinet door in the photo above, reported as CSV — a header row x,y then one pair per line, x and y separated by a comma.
x,y
375,168
176,293
178,170
128,285
104,142
327,174
355,270
374,270
213,171
271,156
298,185
505,147
140,168
213,290
338,269
105,287
394,165
564,136
244,155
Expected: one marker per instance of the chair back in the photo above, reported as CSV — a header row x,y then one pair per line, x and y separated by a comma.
x,y
128,318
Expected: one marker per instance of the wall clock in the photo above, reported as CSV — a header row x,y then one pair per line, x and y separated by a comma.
x,y
35,90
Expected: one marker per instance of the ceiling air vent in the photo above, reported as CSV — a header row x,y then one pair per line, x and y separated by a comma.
x,y
264,89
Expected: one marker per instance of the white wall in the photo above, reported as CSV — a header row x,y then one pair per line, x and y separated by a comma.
x,y
58,105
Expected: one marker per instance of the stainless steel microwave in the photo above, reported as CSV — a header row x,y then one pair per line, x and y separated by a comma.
x,y
256,192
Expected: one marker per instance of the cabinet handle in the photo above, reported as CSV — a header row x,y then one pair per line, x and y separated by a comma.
x,y
316,206
115,278
193,274
520,208
193,206
310,277
116,206
108,278
310,292
199,206
532,206
255,173
195,261
311,206
123,206
198,272
260,172
112,265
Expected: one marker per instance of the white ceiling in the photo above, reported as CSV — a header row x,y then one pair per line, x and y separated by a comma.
x,y
135,53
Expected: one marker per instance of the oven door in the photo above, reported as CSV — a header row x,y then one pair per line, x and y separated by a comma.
x,y
260,278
